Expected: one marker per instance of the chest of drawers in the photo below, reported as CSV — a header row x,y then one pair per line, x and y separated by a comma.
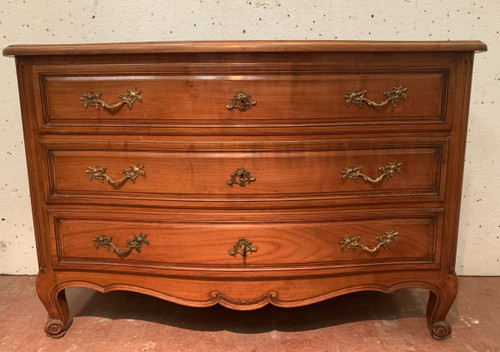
x,y
246,173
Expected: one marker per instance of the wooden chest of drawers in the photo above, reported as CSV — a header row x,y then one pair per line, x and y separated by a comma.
x,y
246,173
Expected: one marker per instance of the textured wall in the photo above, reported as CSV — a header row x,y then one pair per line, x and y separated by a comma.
x,y
79,21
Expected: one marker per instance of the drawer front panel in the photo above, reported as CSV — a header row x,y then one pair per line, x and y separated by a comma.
x,y
204,174
175,98
277,243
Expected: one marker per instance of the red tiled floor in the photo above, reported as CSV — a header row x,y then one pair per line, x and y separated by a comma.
x,y
364,321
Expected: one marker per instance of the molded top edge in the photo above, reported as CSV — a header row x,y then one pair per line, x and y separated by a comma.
x,y
242,47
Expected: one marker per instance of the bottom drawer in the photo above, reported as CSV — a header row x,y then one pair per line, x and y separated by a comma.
x,y
276,240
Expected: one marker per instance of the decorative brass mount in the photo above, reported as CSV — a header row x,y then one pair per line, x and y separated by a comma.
x,y
135,243
94,99
99,173
393,97
384,241
241,101
353,172
239,177
242,247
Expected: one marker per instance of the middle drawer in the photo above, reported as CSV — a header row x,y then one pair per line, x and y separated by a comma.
x,y
294,171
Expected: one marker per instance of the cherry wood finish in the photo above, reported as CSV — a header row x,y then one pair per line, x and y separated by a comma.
x,y
252,46
295,141
313,178
187,174
201,95
189,92
278,243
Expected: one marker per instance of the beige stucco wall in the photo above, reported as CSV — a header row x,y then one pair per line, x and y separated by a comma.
x,y
80,21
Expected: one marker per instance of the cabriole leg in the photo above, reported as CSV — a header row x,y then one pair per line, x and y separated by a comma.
x,y
440,302
56,305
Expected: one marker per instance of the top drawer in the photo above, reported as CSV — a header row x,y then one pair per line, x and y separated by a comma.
x,y
198,96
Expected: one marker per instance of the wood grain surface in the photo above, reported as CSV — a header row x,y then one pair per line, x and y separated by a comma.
x,y
188,174
244,46
278,243
296,141
203,97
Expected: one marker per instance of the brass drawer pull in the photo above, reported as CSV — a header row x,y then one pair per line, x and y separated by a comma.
x,y
134,243
393,97
242,247
241,101
239,177
99,173
353,172
384,241
94,99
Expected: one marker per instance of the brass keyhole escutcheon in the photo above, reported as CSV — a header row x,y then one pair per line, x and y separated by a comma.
x,y
242,247
241,177
241,101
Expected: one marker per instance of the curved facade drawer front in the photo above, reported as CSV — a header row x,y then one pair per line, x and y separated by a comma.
x,y
273,242
230,175
246,173
280,98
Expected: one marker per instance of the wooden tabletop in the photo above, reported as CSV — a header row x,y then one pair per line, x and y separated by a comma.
x,y
243,46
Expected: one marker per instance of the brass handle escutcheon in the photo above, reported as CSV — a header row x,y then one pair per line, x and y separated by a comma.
x,y
241,101
94,99
240,177
242,247
99,173
393,97
384,241
134,243
353,172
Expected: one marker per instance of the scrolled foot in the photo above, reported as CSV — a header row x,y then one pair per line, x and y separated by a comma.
x,y
54,328
440,330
